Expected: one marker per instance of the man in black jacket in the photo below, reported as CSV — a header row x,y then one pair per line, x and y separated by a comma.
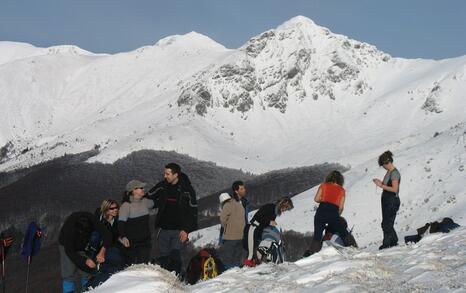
x,y
176,201
73,239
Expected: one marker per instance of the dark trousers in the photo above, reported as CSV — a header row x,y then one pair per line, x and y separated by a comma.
x,y
170,250
252,235
231,253
137,253
327,214
390,206
114,262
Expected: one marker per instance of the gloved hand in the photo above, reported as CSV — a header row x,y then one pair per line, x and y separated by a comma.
x,y
249,263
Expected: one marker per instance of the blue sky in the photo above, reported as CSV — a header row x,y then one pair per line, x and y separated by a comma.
x,y
409,28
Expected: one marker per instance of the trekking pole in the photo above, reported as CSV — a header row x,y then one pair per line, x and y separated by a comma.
x,y
3,267
27,274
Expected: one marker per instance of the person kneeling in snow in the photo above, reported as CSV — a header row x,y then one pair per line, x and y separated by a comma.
x,y
73,240
331,199
264,217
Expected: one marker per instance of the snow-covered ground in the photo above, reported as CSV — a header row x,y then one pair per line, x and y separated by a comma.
x,y
436,264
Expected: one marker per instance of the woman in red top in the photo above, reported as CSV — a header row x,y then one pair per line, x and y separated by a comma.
x,y
331,199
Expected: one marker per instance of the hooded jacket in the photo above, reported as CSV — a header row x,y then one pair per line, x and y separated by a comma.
x,y
232,220
75,235
183,204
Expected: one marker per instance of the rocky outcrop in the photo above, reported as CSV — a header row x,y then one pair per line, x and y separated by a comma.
x,y
296,61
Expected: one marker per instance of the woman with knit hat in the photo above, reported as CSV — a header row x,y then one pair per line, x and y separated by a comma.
x,y
133,223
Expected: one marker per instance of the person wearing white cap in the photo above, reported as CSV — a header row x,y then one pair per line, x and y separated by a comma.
x,y
222,198
233,221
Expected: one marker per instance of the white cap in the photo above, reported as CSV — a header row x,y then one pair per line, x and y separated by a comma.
x,y
223,197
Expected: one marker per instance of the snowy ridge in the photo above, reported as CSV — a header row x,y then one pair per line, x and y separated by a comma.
x,y
436,264
296,88
12,51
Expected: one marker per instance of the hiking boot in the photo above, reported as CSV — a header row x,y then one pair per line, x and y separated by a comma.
x,y
350,241
316,246
383,246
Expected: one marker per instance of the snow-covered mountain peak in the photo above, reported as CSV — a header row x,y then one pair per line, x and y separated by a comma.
x,y
295,62
11,51
190,40
295,86
67,50
297,21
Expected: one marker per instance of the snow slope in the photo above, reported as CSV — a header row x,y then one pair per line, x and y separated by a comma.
x,y
436,264
432,187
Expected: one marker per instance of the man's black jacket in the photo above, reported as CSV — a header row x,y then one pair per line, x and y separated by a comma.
x,y
186,202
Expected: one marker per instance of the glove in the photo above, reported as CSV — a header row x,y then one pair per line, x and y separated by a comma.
x,y
249,263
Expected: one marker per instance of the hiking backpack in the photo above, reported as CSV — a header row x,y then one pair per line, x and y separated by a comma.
x,y
271,248
203,266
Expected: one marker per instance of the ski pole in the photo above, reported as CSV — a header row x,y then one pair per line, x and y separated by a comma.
x,y
27,274
3,266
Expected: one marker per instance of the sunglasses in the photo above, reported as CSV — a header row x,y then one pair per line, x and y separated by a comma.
x,y
113,208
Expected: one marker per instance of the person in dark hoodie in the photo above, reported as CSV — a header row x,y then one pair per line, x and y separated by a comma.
x,y
73,240
133,223
264,217
176,201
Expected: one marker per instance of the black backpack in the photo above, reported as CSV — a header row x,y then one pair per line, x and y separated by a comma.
x,y
203,266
